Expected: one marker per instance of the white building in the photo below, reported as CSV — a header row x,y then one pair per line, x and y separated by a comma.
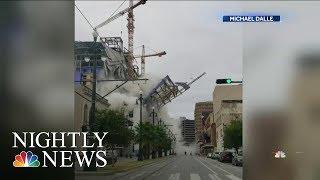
x,y
227,106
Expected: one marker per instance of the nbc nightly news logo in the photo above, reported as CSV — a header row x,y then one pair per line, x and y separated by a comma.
x,y
251,18
51,140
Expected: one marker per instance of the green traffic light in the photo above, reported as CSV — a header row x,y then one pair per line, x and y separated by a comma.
x,y
229,81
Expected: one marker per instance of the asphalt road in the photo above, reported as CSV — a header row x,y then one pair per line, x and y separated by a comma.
x,y
182,168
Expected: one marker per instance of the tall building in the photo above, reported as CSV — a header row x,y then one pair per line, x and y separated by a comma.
x,y
187,130
227,107
201,112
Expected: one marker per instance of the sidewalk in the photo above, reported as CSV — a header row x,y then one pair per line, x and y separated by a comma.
x,y
123,165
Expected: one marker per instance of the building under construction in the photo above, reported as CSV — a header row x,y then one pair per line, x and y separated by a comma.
x,y
115,62
187,130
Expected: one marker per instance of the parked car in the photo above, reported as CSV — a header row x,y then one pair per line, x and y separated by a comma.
x,y
237,159
215,155
226,156
209,155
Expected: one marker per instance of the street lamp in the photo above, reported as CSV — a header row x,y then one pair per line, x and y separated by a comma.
x,y
153,155
140,124
92,166
103,58
86,59
153,114
96,55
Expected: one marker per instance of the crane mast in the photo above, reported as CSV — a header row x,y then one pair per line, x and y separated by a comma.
x,y
130,27
143,62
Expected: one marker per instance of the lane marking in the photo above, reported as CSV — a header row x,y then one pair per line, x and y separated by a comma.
x,y
137,175
235,168
219,168
214,177
232,177
206,166
195,177
158,170
174,176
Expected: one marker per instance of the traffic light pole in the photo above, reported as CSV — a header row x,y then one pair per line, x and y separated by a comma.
x,y
236,81
226,81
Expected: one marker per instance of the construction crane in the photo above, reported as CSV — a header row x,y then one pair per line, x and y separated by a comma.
x,y
129,10
114,17
143,56
130,27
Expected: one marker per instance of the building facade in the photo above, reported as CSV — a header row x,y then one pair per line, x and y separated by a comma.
x,y
201,112
227,107
210,130
187,130
82,105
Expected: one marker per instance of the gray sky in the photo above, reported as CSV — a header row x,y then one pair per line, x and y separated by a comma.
x,y
191,33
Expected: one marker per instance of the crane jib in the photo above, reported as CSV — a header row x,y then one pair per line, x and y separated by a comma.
x,y
121,13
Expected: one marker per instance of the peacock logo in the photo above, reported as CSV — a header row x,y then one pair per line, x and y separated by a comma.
x,y
26,159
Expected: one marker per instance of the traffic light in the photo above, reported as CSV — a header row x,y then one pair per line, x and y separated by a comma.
x,y
224,81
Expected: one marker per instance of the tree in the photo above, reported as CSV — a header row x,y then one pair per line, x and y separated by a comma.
x,y
152,137
115,123
233,135
160,139
144,135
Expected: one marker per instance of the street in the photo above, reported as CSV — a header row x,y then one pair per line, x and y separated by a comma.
x,y
180,168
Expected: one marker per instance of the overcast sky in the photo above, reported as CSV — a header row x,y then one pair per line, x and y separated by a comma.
x,y
191,33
